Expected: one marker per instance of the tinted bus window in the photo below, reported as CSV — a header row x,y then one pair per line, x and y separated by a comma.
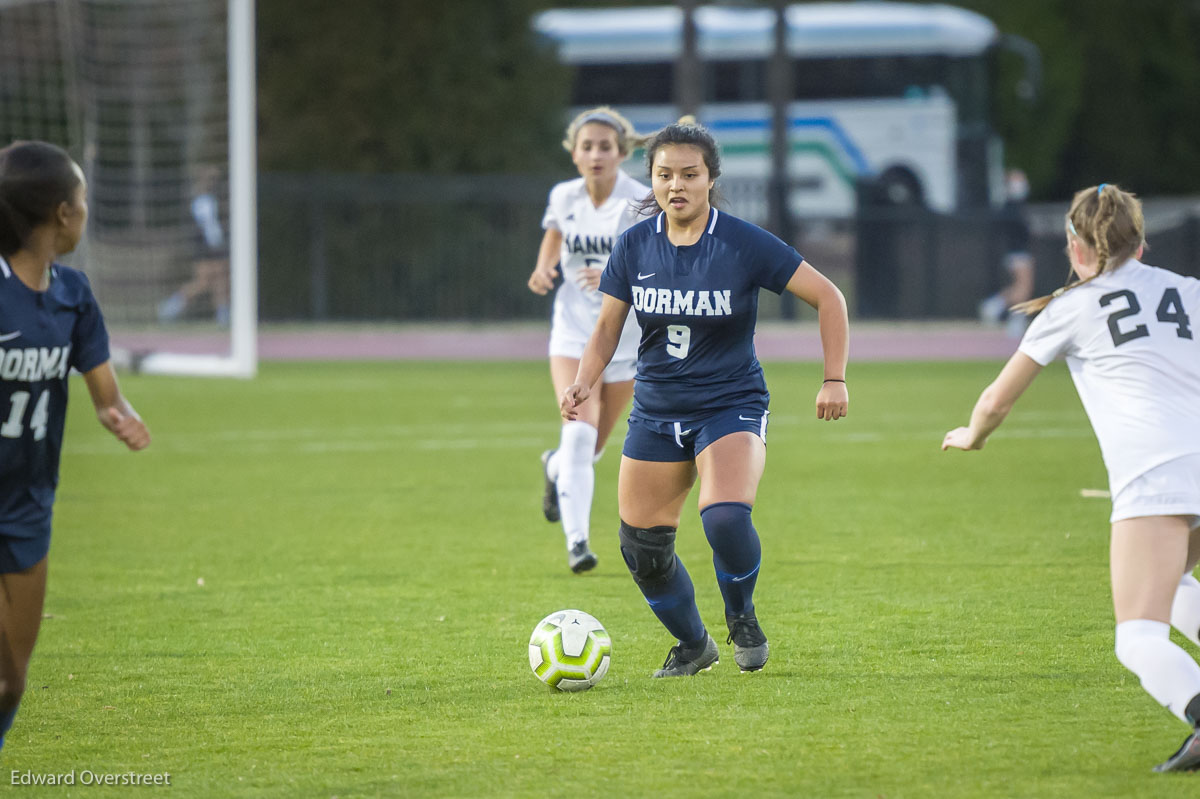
x,y
970,84
736,81
877,76
623,84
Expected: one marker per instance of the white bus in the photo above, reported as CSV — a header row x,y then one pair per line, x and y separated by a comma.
x,y
899,93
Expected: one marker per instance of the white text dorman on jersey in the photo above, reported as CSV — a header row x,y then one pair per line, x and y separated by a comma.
x,y
674,302
34,364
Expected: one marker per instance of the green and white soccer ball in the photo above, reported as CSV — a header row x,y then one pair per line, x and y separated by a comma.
x,y
569,650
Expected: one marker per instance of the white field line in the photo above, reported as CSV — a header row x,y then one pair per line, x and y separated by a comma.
x,y
1094,493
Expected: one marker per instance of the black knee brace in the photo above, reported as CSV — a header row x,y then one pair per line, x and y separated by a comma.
x,y
649,553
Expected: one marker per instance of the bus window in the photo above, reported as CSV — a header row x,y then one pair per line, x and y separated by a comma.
x,y
970,84
736,81
871,76
645,83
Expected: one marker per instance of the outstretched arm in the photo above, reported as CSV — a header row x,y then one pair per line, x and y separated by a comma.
x,y
113,410
542,279
596,355
833,400
994,403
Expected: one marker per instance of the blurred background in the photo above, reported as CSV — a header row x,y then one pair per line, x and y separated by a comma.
x,y
405,148
414,181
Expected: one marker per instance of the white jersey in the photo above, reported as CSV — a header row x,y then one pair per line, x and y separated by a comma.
x,y
1131,339
588,236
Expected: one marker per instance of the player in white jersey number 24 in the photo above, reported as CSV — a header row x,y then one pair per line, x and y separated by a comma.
x,y
1127,333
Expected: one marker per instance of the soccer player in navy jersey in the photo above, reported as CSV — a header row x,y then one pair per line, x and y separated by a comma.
x,y
49,324
692,275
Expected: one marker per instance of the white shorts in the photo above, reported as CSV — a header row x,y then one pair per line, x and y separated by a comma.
x,y
1169,489
572,324
619,370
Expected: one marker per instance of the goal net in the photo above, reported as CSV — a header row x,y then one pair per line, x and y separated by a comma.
x,y
155,100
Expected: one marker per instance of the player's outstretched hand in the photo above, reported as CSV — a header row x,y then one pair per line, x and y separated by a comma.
x,y
127,427
572,397
962,438
542,280
833,401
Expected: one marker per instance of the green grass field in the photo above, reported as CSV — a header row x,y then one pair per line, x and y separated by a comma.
x,y
321,583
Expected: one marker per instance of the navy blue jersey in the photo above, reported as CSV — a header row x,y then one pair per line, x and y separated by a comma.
x,y
43,334
697,306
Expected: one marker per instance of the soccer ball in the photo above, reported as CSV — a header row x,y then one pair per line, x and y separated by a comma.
x,y
569,650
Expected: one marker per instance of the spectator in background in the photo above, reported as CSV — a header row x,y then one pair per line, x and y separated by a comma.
x,y
210,270
1018,260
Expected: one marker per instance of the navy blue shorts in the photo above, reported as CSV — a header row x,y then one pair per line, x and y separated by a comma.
x,y
671,442
18,554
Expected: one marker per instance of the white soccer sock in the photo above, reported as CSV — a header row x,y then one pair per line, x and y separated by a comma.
x,y
552,463
1185,610
576,479
1167,672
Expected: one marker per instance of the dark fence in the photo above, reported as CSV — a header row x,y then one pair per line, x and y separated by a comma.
x,y
913,264
426,248
342,247
1172,239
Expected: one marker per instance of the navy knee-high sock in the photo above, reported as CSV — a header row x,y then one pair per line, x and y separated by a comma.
x,y
674,603
6,720
664,582
737,553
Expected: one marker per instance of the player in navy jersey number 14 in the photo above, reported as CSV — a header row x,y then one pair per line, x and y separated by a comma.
x,y
1128,333
49,324
583,218
692,275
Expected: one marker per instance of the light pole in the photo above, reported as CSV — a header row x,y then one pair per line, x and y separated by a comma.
x,y
780,81
689,78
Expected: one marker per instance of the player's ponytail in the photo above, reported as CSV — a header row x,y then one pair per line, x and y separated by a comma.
x,y
1106,219
35,177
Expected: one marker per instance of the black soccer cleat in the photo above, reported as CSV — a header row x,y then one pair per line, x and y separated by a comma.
x,y
682,662
550,492
750,649
1186,759
580,558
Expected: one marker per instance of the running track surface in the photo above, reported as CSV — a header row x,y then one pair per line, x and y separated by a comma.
x,y
869,341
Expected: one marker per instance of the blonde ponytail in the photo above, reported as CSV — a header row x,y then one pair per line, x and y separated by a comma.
x,y
1108,220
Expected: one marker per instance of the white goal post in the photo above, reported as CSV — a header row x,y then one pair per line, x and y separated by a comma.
x,y
156,100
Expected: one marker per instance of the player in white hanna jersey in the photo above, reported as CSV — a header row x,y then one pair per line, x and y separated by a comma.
x,y
583,218
1126,332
